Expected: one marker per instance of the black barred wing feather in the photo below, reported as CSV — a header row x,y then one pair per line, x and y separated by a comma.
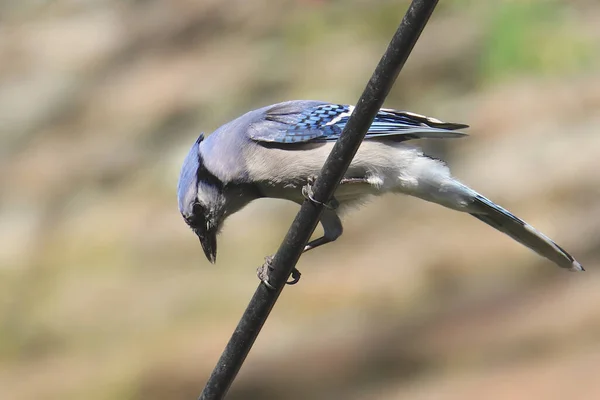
x,y
307,121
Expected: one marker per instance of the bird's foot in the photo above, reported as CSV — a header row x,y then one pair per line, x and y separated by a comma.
x,y
307,192
264,273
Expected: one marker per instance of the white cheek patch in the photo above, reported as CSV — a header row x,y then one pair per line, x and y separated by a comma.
x,y
206,193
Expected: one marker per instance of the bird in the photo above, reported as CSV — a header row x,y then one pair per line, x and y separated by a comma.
x,y
275,152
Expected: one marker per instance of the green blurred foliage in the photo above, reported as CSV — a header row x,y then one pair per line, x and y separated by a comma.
x,y
534,38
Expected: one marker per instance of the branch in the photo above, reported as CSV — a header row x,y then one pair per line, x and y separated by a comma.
x,y
306,221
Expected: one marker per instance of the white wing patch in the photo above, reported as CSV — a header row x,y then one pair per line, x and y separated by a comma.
x,y
342,115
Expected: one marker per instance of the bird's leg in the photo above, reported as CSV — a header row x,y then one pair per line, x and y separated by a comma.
x,y
264,273
332,225
313,244
332,229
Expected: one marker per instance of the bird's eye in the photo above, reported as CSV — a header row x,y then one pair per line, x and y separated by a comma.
x,y
197,209
196,218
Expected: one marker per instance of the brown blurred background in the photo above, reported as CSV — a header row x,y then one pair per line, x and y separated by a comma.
x,y
106,294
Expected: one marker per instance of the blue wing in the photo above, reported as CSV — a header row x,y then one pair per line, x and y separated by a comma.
x,y
303,121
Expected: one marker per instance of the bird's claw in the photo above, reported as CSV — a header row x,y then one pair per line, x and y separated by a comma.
x,y
264,273
295,277
307,192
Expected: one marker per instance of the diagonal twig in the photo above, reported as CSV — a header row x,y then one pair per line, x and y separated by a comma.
x,y
306,221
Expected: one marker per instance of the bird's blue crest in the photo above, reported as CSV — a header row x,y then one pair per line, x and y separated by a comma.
x,y
186,189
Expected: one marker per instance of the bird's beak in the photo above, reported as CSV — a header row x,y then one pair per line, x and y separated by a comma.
x,y
208,240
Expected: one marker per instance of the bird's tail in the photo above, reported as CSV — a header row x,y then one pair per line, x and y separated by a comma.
x,y
501,219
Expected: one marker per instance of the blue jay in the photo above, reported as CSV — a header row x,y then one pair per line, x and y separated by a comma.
x,y
274,150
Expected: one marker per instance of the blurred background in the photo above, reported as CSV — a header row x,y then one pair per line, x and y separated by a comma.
x,y
106,294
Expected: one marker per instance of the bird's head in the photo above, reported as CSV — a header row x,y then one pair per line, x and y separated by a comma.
x,y
202,202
